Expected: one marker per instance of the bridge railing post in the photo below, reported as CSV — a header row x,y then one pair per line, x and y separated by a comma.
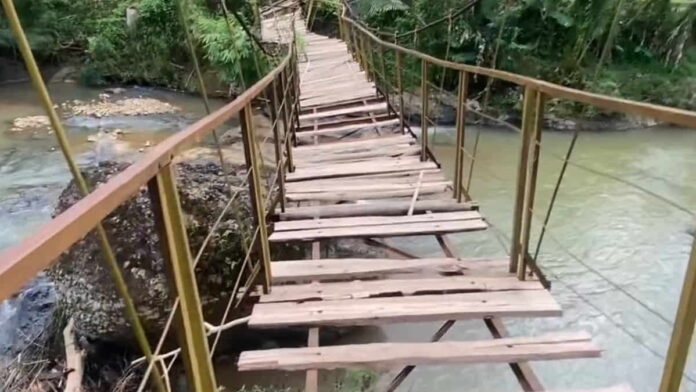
x,y
261,245
177,255
278,142
683,330
424,110
463,92
400,87
532,119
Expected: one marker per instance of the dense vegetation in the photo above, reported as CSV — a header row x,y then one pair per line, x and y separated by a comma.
x,y
151,49
639,49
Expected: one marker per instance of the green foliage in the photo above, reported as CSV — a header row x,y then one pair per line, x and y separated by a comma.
x,y
153,52
375,8
649,56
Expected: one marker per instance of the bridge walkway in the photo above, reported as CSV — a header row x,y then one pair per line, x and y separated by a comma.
x,y
359,173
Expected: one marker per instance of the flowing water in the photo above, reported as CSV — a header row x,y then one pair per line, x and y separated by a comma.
x,y
615,254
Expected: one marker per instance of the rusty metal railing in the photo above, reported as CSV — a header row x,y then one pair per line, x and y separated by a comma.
x,y
372,49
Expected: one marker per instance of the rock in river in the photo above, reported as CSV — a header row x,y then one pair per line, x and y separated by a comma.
x,y
84,285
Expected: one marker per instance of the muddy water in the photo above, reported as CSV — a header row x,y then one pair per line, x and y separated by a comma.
x,y
631,239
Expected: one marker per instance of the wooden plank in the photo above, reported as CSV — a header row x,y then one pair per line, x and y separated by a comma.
x,y
348,145
363,186
390,355
372,208
348,169
393,152
350,127
429,189
375,311
409,229
396,287
341,269
375,220
377,107
329,184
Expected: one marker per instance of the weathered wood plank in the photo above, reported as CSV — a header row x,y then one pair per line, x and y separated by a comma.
x,y
337,269
350,127
374,311
408,229
396,151
353,145
363,186
390,355
372,208
330,184
338,196
375,220
377,107
341,170
396,287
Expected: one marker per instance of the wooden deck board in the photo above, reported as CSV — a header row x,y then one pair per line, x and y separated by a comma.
x,y
367,231
390,355
375,311
372,208
337,269
361,168
375,220
396,287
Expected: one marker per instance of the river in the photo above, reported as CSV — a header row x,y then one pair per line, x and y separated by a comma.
x,y
615,254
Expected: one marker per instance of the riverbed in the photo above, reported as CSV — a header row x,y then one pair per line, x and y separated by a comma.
x,y
615,254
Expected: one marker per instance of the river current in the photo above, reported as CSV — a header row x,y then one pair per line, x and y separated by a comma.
x,y
615,254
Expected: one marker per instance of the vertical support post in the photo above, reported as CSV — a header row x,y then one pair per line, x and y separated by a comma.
x,y
537,122
369,59
279,144
385,79
295,87
400,87
424,110
192,336
522,169
463,91
682,333
256,194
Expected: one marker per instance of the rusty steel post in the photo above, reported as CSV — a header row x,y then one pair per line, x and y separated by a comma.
x,y
400,87
535,149
192,335
256,193
683,331
463,92
424,110
279,144
528,107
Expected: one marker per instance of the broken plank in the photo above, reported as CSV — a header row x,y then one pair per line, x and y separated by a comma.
x,y
377,107
337,269
350,127
396,287
421,308
341,170
375,220
390,355
372,208
408,229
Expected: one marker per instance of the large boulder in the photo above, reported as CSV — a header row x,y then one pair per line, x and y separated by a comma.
x,y
84,284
